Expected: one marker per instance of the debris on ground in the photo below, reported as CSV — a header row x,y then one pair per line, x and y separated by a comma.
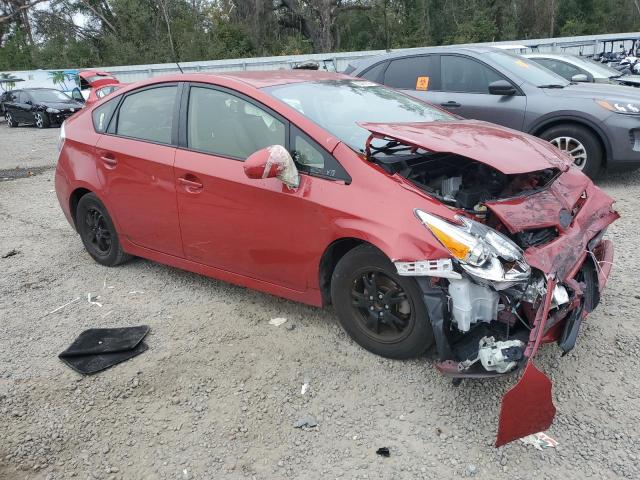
x,y
97,349
540,441
307,421
62,306
383,452
277,321
305,386
11,253
93,299
471,470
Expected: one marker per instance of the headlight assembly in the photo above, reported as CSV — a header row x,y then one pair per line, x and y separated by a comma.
x,y
620,107
52,110
480,250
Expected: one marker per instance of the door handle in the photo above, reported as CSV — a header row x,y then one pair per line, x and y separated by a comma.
x,y
191,183
109,159
450,104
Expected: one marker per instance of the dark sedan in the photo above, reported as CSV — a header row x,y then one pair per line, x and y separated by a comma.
x,y
596,124
42,107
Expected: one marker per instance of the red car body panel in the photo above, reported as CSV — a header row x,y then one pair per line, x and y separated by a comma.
x,y
96,78
201,213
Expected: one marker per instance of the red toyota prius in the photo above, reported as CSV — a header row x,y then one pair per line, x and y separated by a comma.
x,y
419,227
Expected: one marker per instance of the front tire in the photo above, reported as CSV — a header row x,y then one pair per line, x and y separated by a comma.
x,y
580,143
381,310
98,233
11,122
41,120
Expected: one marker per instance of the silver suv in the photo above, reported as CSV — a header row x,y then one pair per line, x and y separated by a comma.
x,y
597,124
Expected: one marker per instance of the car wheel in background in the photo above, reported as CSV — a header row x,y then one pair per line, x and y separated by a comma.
x,y
381,310
580,143
41,119
11,123
98,233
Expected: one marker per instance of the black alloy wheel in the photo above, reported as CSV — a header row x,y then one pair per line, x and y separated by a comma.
x,y
381,310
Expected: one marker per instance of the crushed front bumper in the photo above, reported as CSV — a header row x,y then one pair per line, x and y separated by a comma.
x,y
580,212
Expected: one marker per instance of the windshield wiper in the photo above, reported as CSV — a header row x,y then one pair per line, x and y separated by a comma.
x,y
552,85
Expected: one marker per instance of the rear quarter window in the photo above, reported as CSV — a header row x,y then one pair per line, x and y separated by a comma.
x,y
102,115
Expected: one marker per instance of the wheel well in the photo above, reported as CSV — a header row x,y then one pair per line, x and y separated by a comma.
x,y
77,194
330,259
538,131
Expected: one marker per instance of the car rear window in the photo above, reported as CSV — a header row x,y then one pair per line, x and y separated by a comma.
x,y
148,114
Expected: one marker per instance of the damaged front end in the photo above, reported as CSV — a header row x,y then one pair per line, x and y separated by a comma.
x,y
527,257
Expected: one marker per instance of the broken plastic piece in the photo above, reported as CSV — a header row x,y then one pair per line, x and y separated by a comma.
x,y
62,306
11,253
307,421
277,321
92,299
527,407
540,441
383,451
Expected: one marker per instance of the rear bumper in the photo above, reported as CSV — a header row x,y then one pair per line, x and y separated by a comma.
x,y
624,139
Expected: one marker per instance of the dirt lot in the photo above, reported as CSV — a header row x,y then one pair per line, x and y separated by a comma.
x,y
219,390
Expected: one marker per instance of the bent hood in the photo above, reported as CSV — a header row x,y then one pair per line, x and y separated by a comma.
x,y
504,149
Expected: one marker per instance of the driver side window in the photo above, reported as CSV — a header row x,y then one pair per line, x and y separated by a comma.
x,y
224,124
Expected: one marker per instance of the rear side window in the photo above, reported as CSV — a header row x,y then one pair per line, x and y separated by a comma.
x,y
226,125
148,115
376,73
561,68
463,74
102,115
413,73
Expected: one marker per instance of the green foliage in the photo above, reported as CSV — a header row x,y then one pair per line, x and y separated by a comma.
x,y
121,32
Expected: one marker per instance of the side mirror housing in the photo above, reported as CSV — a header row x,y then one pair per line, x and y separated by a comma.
x,y
502,87
580,77
273,162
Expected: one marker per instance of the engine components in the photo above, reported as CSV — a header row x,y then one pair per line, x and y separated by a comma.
x,y
495,356
471,303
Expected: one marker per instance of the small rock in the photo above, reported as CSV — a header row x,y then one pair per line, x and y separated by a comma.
x,y
307,421
471,470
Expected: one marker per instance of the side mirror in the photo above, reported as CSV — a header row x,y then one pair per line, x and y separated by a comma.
x,y
502,87
273,162
580,77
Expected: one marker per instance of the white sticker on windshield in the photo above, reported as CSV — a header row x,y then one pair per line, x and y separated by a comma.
x,y
364,83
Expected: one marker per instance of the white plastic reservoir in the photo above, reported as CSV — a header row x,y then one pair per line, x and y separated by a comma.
x,y
472,303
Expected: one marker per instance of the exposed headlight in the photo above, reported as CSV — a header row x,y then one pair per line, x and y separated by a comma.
x,y
52,110
620,107
481,251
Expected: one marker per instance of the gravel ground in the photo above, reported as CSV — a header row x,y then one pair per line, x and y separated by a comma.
x,y
219,390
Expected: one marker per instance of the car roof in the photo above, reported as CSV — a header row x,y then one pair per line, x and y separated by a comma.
x,y
410,52
260,79
557,56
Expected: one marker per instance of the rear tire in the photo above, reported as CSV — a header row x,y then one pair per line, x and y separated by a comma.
x,y
11,123
579,142
381,310
98,233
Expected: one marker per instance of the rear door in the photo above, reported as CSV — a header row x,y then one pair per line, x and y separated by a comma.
x,y
464,90
418,76
22,108
135,160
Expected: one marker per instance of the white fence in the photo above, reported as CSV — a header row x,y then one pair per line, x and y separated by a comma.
x,y
585,45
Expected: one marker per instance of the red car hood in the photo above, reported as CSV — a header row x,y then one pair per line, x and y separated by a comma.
x,y
504,149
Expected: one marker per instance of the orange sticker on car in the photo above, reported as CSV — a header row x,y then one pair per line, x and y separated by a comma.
x,y
422,83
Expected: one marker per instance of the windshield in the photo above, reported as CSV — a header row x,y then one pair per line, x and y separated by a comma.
x,y
338,105
49,96
598,70
527,69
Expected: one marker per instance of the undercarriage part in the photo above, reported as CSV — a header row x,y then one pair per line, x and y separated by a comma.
x,y
435,301
471,303
442,267
494,356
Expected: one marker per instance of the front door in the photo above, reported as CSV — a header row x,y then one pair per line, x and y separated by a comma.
x,y
464,90
135,161
255,228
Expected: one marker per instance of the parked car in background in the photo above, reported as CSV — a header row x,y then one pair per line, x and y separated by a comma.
x,y
42,107
3,98
596,124
580,69
417,226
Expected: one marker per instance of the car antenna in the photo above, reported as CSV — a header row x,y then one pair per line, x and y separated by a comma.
x,y
179,67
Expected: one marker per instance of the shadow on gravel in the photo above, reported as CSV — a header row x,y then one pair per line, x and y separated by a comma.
x,y
15,173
